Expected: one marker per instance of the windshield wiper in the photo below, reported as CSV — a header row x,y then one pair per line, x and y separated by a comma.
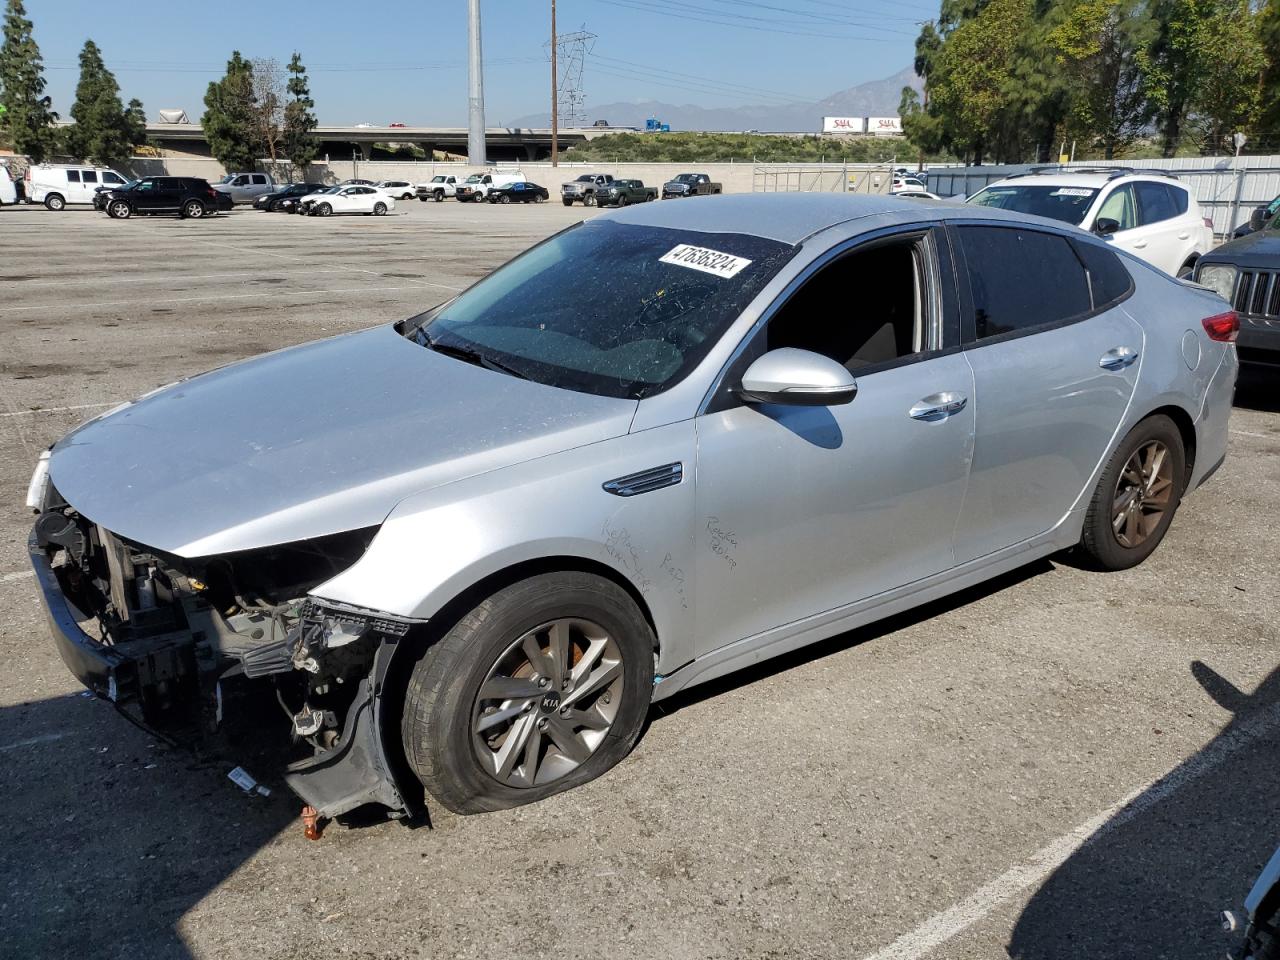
x,y
466,354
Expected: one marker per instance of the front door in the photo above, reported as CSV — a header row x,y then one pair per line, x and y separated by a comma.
x,y
804,509
1053,373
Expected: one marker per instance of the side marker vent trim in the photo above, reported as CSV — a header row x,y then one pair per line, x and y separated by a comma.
x,y
646,481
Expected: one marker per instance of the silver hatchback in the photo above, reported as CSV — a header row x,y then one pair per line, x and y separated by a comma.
x,y
470,550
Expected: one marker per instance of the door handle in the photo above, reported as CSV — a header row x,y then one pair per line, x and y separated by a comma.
x,y
1184,236
1140,244
937,406
1117,358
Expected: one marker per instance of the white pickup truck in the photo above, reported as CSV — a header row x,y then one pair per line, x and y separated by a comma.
x,y
478,186
439,187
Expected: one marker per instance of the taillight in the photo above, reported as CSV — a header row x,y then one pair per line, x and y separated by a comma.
x,y
1223,327
1207,222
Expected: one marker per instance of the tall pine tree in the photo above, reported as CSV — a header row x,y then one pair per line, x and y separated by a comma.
x,y
27,116
229,116
299,120
104,132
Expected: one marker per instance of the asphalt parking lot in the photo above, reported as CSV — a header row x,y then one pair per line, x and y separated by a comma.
x,y
1060,764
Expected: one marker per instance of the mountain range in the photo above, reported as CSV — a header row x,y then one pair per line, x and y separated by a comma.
x,y
876,98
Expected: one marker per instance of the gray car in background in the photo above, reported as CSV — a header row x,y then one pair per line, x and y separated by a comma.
x,y
471,549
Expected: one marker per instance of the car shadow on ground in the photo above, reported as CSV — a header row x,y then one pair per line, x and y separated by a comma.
x,y
1152,885
112,835
1258,388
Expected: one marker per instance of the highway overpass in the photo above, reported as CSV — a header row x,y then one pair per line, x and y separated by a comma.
x,y
504,143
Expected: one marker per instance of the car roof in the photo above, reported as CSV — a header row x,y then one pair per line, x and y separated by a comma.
x,y
1095,179
791,217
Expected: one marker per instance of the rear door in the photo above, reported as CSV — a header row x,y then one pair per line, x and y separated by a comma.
x,y
1054,366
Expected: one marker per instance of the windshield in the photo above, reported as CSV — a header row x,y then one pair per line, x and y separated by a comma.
x,y
1068,204
687,178
437,179
474,178
586,178
659,300
228,178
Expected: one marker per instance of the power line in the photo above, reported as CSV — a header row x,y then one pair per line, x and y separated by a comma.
x,y
646,7
725,85
683,9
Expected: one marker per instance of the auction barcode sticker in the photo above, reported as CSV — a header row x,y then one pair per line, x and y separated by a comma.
x,y
1071,192
708,261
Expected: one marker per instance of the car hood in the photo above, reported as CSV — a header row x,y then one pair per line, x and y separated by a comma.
x,y
1259,249
309,441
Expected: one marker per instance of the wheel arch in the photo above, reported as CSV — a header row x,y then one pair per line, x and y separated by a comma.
x,y
1186,429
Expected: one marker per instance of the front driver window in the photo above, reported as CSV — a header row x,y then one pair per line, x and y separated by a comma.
x,y
1119,206
867,307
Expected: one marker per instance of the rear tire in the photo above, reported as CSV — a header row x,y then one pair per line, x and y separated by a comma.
x,y
193,209
453,736
55,201
1136,497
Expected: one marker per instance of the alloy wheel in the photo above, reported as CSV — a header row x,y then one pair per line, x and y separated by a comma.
x,y
1143,494
547,703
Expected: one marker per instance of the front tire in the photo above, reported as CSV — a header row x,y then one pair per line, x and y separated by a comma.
x,y
504,199
541,687
379,209
324,210
119,210
1136,497
439,196
567,203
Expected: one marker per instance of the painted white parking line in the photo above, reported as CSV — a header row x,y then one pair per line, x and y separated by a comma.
x,y
157,278
74,406
1260,436
1037,868
15,576
31,742
258,295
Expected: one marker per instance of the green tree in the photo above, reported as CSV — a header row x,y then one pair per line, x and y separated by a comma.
x,y
1269,37
299,120
972,78
229,119
136,117
103,132
1097,46
27,116
1232,59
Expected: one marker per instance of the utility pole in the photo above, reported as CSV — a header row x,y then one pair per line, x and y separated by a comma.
x,y
555,94
475,76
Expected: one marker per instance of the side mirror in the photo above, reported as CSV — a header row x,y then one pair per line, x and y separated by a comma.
x,y
1258,219
1105,226
797,377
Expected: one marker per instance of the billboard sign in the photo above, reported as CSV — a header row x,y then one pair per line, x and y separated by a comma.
x,y
884,125
843,125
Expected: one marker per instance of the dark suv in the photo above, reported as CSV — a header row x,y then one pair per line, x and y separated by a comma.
x,y
1246,273
184,196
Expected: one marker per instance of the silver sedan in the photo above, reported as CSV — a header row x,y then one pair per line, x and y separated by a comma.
x,y
470,550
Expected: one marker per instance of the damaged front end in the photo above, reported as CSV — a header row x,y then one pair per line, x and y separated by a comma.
x,y
176,640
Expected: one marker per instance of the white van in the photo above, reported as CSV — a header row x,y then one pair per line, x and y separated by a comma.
x,y
8,192
57,184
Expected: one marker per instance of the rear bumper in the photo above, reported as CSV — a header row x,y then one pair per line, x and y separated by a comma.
x,y
105,671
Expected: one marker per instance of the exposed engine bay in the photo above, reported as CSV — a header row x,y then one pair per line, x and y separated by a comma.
x,y
170,635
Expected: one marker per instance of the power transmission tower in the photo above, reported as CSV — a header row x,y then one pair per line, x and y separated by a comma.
x,y
570,54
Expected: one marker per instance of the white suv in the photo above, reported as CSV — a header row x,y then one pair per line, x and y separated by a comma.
x,y
1148,213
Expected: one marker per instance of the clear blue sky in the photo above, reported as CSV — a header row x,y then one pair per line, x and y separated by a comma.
x,y
383,61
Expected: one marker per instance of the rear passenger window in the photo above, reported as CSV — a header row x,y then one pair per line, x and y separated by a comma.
x,y
90,176
1154,202
1022,279
1181,199
73,176
259,179
1109,281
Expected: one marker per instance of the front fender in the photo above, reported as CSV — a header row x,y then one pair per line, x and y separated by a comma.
x,y
436,544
